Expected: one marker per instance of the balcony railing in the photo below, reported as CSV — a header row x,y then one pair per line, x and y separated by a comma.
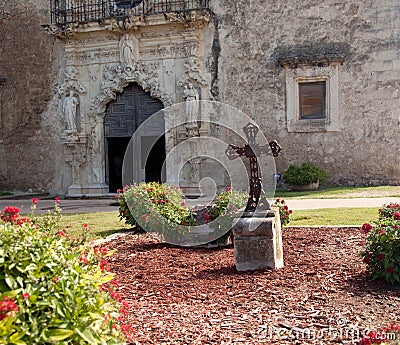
x,y
75,11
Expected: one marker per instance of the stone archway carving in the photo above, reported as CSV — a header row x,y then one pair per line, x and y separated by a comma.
x,y
116,78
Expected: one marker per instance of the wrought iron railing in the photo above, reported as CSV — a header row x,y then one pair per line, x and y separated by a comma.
x,y
73,11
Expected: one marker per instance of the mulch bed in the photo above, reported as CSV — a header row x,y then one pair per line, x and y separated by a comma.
x,y
196,296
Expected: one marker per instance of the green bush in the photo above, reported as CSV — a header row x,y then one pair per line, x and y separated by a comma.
x,y
160,208
382,247
388,210
60,287
304,174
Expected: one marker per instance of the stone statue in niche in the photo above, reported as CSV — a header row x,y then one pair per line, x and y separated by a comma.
x,y
195,170
191,97
129,51
69,108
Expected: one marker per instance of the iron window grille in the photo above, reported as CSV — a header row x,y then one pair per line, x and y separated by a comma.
x,y
81,11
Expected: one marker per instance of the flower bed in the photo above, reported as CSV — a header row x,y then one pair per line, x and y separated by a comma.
x,y
55,289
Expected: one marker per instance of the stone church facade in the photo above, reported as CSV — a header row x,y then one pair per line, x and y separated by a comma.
x,y
77,80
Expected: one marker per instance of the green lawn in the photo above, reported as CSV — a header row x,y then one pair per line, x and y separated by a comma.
x,y
334,216
101,224
106,223
332,192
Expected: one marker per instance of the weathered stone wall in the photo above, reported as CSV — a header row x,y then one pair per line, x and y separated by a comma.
x,y
28,132
365,149
249,37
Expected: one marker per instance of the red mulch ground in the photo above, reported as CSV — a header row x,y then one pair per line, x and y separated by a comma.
x,y
195,296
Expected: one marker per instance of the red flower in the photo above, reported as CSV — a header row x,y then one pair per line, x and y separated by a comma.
x,y
7,307
381,257
366,228
57,200
25,296
35,201
396,215
61,234
159,201
104,265
390,269
55,279
367,260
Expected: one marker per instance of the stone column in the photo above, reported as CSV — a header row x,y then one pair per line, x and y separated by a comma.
x,y
258,241
75,147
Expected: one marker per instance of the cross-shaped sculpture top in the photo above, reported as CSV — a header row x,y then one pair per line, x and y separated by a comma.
x,y
252,150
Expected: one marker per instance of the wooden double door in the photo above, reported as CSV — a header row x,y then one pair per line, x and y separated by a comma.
x,y
123,117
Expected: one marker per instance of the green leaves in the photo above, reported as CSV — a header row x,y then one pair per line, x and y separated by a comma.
x,y
55,283
382,248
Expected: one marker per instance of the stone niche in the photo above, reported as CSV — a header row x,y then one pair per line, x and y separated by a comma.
x,y
165,55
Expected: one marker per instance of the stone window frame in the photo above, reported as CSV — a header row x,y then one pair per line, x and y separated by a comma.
x,y
308,74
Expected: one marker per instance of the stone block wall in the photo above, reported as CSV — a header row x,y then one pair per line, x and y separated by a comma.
x,y
363,149
28,132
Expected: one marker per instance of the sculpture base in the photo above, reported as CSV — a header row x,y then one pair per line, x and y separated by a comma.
x,y
87,191
258,241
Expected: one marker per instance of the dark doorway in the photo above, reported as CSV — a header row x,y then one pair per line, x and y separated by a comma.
x,y
154,159
123,116
116,148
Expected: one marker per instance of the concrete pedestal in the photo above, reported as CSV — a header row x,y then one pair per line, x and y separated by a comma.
x,y
258,241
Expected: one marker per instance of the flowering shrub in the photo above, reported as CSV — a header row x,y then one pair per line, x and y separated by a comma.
x,y
51,287
155,207
390,210
284,211
384,336
382,246
160,208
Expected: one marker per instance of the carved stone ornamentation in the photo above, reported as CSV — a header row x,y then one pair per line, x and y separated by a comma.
x,y
131,23
193,19
62,32
116,78
71,82
129,51
193,73
75,147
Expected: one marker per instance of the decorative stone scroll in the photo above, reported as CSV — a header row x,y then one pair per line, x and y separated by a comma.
x,y
71,82
194,19
116,77
131,23
62,32
193,73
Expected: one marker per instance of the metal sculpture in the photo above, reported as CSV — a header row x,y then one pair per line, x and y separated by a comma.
x,y
252,150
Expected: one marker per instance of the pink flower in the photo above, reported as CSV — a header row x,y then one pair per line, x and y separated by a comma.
x,y
35,201
366,228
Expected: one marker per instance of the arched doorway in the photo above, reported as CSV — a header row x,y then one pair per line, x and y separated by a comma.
x,y
123,116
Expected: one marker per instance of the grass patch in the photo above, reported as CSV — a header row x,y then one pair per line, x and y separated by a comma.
x,y
334,216
334,192
101,224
